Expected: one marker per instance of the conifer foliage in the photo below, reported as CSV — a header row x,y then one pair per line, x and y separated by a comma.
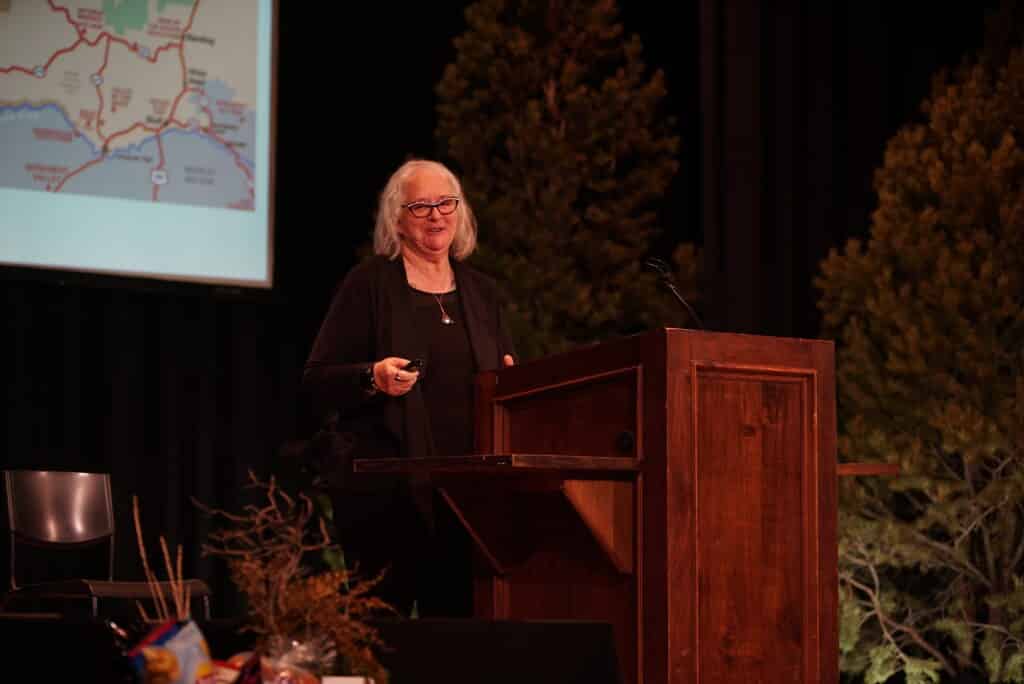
x,y
559,132
929,318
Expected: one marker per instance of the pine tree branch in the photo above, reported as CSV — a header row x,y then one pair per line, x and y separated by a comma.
x,y
886,622
972,525
1018,538
949,554
986,541
944,459
997,472
1001,630
993,569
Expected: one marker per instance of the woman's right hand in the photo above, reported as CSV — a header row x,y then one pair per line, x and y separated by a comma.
x,y
390,377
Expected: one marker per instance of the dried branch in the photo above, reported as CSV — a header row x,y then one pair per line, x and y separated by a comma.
x,y
175,578
174,584
154,586
266,548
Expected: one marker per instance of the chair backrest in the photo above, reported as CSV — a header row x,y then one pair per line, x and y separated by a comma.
x,y
58,509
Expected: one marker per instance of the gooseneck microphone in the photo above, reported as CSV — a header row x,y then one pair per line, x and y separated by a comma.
x,y
666,278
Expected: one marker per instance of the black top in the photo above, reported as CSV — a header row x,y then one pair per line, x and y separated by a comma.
x,y
371,317
447,381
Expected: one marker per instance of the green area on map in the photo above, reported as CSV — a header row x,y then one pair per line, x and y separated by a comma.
x,y
134,14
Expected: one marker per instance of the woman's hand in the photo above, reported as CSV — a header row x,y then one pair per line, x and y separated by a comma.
x,y
390,377
508,360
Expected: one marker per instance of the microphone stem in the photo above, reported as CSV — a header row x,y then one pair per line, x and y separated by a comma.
x,y
672,287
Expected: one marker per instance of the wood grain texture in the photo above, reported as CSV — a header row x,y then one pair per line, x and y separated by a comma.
x,y
756,605
679,484
608,511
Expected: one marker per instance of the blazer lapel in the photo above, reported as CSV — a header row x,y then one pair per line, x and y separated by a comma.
x,y
474,309
404,340
409,416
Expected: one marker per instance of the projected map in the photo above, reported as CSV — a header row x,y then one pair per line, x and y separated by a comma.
x,y
151,100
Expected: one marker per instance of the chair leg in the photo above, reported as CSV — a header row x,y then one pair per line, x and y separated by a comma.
x,y
206,608
95,607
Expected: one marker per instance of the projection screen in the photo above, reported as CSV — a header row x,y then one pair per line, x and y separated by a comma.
x,y
135,138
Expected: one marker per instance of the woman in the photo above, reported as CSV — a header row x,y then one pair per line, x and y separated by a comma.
x,y
414,300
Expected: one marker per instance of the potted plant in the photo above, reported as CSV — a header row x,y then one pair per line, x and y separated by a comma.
x,y
305,618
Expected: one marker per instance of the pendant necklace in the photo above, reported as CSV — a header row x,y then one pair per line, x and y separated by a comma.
x,y
445,318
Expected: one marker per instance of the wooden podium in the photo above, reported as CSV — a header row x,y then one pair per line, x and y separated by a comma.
x,y
678,484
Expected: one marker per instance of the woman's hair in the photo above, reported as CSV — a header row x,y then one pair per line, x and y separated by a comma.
x,y
386,240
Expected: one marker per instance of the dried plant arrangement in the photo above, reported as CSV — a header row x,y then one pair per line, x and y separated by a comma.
x,y
178,588
267,548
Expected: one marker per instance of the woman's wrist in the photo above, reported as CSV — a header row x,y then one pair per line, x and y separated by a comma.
x,y
369,381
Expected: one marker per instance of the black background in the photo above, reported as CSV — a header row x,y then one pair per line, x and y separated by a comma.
x,y
179,391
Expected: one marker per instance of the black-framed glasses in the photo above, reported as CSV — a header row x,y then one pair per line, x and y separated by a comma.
x,y
444,206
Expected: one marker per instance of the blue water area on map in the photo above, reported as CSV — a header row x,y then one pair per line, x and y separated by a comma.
x,y
242,125
21,147
199,171
40,147
125,173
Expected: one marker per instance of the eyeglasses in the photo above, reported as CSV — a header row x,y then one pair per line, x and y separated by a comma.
x,y
444,207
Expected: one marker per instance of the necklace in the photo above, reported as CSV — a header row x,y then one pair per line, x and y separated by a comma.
x,y
445,318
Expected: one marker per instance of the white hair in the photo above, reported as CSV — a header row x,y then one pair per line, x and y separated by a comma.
x,y
386,239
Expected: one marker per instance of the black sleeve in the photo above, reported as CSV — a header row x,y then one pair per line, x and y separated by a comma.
x,y
334,375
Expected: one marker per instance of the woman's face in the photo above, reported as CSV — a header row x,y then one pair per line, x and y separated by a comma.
x,y
432,235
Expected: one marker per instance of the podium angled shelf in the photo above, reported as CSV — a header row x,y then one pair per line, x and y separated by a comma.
x,y
500,463
865,469
679,484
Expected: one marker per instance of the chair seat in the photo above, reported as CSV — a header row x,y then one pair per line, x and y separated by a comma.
x,y
60,515
105,589
78,597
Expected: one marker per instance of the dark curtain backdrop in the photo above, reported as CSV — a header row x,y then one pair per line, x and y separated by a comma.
x,y
797,99
178,392
177,396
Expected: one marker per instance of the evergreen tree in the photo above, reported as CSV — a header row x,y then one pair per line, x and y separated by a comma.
x,y
929,318
557,130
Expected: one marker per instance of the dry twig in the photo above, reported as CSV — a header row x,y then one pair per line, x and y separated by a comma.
x,y
266,548
175,578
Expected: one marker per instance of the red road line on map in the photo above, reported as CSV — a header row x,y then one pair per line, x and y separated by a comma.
x,y
62,51
106,140
7,70
99,94
160,166
184,67
81,30
67,14
177,101
180,45
104,34
229,148
169,46
129,130
77,171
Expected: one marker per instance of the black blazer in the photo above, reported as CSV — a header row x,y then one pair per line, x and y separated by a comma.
x,y
370,318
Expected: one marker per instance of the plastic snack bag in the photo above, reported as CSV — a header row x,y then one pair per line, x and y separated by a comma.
x,y
174,653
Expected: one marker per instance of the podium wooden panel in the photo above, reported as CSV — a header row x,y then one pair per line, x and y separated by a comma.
x,y
678,484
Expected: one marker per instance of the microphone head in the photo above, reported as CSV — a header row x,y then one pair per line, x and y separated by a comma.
x,y
658,265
